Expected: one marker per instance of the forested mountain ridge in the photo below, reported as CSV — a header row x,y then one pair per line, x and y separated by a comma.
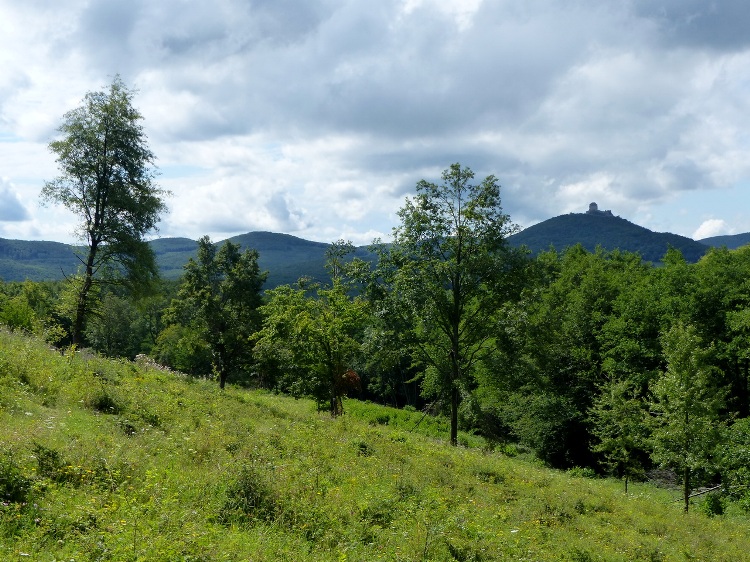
x,y
285,257
288,257
731,241
609,232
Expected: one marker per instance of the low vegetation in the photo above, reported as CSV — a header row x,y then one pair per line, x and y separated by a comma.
x,y
106,459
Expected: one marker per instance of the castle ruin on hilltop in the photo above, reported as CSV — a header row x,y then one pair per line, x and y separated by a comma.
x,y
594,210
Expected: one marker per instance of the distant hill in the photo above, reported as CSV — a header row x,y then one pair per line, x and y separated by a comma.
x,y
287,257
609,232
172,254
732,241
38,261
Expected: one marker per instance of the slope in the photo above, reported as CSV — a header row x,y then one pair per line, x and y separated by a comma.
x,y
731,241
109,460
609,232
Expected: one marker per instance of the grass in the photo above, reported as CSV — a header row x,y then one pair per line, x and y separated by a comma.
x,y
104,460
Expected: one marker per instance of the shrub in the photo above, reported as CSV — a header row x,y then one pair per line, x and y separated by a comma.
x,y
15,487
712,504
105,403
582,472
249,498
49,461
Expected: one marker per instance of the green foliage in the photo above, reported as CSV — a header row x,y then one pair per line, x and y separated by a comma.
x,y
218,300
15,486
310,340
249,498
686,404
446,273
559,341
17,314
184,349
31,307
114,329
107,180
619,422
712,505
734,463
250,475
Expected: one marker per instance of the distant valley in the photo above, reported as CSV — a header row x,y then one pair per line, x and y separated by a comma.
x,y
288,257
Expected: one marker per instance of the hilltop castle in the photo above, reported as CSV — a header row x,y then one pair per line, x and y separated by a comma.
x,y
594,210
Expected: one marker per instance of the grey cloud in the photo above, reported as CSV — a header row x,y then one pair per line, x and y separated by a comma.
x,y
719,25
105,34
283,214
11,209
542,94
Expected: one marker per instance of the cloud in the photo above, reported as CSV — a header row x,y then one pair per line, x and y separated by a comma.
x,y
11,209
283,215
699,24
318,116
711,227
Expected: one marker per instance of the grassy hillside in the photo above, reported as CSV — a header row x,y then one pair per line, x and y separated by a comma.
x,y
607,231
103,460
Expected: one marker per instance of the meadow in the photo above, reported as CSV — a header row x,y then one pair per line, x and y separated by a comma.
x,y
114,460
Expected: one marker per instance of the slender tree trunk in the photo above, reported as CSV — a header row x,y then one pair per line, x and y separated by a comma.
x,y
686,488
333,402
79,322
455,354
222,367
454,415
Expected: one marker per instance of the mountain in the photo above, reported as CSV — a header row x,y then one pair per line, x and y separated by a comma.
x,y
285,257
608,231
38,261
732,241
288,257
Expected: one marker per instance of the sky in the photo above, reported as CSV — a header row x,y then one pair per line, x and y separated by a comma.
x,y
317,118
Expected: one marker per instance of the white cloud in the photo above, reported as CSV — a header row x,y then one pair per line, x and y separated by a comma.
x,y
316,117
711,227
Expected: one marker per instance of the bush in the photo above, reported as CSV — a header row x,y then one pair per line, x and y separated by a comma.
x,y
712,504
582,472
15,487
105,403
249,498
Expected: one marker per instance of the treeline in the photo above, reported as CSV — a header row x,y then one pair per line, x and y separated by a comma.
x,y
594,360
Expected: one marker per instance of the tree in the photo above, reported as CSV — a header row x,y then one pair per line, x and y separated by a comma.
x,y
449,269
107,178
585,319
219,298
686,403
310,337
311,334
734,457
113,331
618,417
